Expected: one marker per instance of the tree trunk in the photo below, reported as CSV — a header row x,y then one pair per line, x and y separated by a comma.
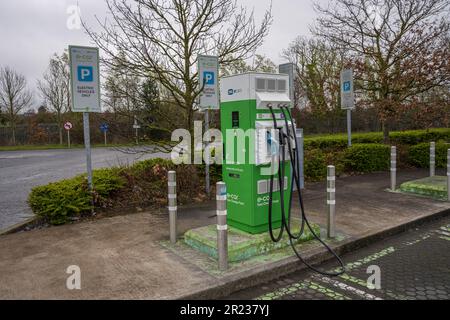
x,y
385,126
60,135
13,127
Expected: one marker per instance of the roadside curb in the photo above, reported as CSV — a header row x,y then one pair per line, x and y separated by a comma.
x,y
19,226
266,273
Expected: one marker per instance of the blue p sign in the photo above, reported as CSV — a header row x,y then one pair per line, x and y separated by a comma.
x,y
347,86
208,77
85,74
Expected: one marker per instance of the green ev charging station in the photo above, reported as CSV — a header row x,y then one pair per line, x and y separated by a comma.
x,y
249,103
259,170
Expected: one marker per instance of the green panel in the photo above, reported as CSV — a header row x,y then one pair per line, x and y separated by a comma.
x,y
247,210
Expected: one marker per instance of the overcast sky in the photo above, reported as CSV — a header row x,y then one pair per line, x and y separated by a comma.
x,y
32,30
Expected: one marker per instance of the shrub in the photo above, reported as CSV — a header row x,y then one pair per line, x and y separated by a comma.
x,y
315,165
413,137
367,158
60,201
419,155
143,184
340,141
420,136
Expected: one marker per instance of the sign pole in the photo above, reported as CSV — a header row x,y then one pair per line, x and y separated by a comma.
x,y
87,144
105,138
207,178
349,126
68,139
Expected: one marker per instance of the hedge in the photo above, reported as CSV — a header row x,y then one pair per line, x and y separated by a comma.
x,y
360,158
412,137
365,158
419,155
143,184
60,201
315,164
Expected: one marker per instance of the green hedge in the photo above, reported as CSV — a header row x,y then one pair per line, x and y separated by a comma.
x,y
413,137
365,158
340,141
419,155
143,184
60,201
315,165
360,158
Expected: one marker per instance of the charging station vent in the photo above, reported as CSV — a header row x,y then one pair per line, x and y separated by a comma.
x,y
260,84
271,85
281,85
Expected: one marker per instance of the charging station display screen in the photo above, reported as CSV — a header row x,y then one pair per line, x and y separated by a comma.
x,y
235,119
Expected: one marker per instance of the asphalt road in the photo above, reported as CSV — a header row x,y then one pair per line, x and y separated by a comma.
x,y
22,170
414,265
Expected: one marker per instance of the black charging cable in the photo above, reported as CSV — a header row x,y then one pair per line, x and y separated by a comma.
x,y
286,224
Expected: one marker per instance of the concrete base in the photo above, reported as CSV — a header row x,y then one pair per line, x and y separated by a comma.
x,y
434,187
242,245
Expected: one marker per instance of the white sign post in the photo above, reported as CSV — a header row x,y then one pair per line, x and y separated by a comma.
x,y
348,99
68,126
208,72
85,89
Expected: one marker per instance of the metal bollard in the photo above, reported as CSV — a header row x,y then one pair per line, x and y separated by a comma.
x,y
393,168
222,227
331,201
432,159
448,174
301,158
172,184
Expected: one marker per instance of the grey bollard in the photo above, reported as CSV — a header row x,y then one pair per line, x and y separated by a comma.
x,y
393,168
222,227
172,195
301,158
448,174
331,201
432,159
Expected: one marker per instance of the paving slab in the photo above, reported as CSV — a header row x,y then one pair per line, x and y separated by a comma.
x,y
127,257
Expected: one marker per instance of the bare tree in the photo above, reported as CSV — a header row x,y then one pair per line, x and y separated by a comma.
x,y
163,39
259,63
14,97
54,89
398,48
318,72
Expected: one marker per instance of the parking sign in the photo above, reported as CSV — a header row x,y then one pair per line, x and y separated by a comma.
x,y
208,70
347,91
85,79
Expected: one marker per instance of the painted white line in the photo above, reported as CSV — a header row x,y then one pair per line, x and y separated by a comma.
x,y
347,288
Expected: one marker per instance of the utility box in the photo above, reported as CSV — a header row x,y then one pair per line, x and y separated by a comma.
x,y
250,145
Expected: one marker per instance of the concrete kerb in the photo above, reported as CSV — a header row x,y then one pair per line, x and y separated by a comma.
x,y
30,222
284,267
